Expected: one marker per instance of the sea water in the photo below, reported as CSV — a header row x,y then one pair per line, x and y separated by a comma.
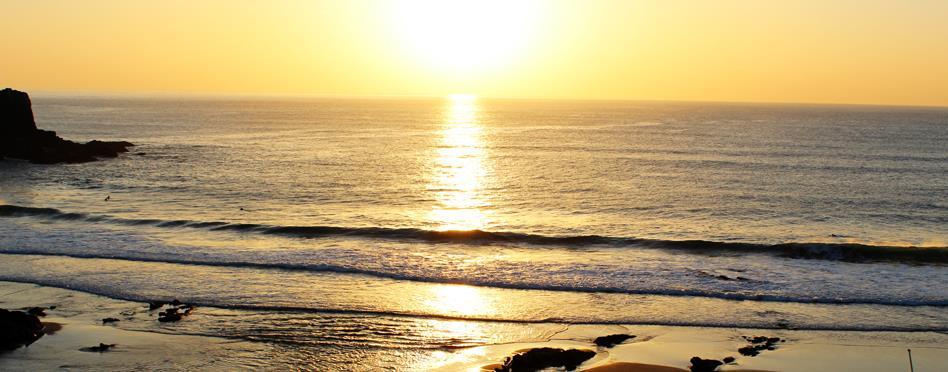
x,y
386,228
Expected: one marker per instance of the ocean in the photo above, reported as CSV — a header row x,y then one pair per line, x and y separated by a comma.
x,y
388,229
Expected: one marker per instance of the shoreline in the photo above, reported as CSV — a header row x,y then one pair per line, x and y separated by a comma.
x,y
653,348
445,317
77,327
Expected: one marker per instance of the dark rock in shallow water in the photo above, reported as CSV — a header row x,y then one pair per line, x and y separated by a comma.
x,y
98,349
728,360
20,139
172,313
155,305
108,148
704,365
540,358
18,329
167,318
611,340
109,320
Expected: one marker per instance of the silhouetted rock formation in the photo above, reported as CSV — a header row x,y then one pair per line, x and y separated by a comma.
x,y
704,365
545,357
611,340
156,305
759,344
171,313
98,349
36,311
18,329
20,139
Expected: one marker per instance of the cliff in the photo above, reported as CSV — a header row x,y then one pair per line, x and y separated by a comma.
x,y
20,139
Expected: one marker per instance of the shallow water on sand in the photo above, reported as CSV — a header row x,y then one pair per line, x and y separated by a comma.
x,y
356,212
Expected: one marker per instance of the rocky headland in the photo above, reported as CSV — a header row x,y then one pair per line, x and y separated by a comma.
x,y
21,139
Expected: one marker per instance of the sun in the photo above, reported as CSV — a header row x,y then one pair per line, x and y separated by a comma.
x,y
464,35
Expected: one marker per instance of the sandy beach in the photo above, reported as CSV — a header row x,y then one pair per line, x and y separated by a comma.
x,y
672,347
80,317
142,343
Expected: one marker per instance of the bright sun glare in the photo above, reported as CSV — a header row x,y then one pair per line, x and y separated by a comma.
x,y
465,35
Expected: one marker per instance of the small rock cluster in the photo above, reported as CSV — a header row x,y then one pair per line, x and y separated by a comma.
x,y
173,312
759,344
738,278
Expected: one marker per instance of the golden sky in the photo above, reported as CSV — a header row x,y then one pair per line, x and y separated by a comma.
x,y
829,51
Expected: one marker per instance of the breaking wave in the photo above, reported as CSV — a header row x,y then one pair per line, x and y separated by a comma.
x,y
849,252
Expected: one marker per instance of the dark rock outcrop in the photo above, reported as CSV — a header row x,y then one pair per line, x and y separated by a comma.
x,y
758,344
17,112
704,365
98,349
20,139
19,329
546,357
109,320
156,305
36,311
176,311
611,340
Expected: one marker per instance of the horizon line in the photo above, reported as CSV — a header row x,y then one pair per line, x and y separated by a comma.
x,y
275,95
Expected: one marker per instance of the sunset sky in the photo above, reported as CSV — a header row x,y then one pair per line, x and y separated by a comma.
x,y
837,51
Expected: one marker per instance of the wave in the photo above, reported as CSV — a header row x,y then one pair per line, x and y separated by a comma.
x,y
730,323
337,269
849,252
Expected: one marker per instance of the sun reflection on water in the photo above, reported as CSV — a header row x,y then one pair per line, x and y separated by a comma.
x,y
458,300
459,169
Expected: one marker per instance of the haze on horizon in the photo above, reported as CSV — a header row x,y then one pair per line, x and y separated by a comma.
x,y
838,51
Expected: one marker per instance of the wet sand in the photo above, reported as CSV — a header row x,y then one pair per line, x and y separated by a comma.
x,y
634,367
667,349
76,323
654,349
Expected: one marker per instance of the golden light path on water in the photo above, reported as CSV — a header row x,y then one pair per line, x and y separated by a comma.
x,y
459,168
457,181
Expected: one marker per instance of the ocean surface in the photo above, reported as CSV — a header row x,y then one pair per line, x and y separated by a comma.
x,y
389,228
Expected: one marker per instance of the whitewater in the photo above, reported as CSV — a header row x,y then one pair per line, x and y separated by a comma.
x,y
725,215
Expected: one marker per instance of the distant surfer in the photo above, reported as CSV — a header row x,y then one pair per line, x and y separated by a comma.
x,y
107,197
